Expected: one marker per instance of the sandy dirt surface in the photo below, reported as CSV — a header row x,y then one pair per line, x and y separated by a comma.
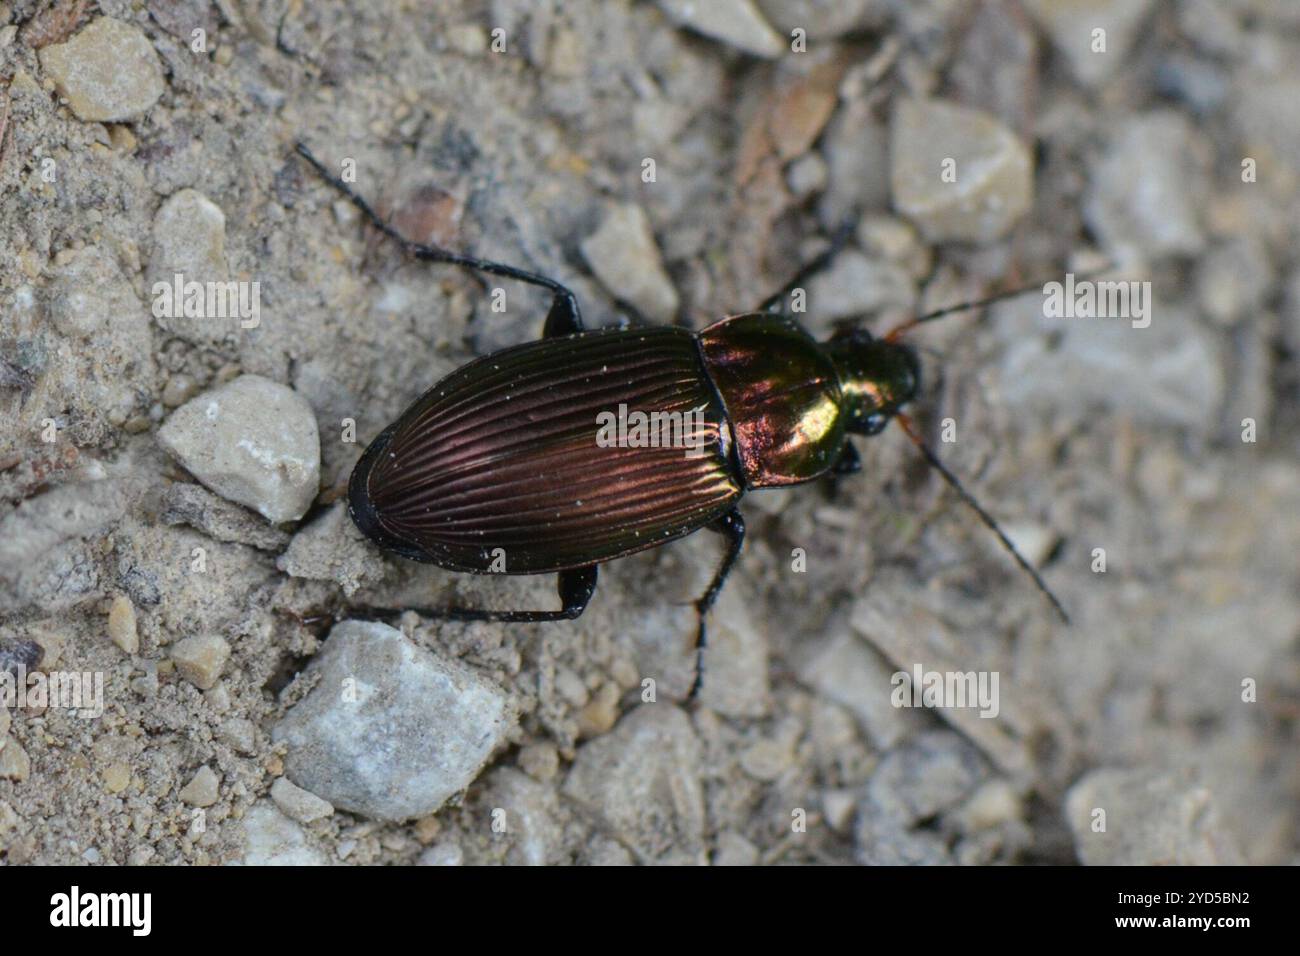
x,y
171,522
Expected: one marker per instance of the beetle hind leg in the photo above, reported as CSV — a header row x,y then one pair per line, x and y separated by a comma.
x,y
732,524
575,586
565,318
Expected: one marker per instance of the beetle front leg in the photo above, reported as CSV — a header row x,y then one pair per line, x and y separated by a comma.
x,y
576,586
732,524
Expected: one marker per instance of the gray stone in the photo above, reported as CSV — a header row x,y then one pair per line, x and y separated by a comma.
x,y
1233,279
1170,373
735,662
734,22
102,375
855,286
1146,194
332,548
442,854
624,256
1070,24
390,730
1150,819
108,72
642,783
194,505
843,668
993,178
298,803
825,19
534,822
856,145
189,239
253,441
45,558
885,841
929,774
272,839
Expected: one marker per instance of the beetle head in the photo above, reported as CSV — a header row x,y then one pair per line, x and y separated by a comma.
x,y
877,377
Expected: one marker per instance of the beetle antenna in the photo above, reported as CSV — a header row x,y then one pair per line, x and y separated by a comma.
x,y
907,425
897,332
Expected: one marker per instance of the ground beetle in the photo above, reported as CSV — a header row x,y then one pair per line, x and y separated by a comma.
x,y
501,459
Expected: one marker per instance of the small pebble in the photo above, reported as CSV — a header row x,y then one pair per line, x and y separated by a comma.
x,y
1151,819
14,763
601,714
442,854
855,286
642,783
201,659
272,839
108,72
540,761
807,175
734,850
202,790
117,776
122,625
239,733
298,803
467,38
189,239
179,390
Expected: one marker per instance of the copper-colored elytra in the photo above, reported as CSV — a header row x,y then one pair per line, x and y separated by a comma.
x,y
502,457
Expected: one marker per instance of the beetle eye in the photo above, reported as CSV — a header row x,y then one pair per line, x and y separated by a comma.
x,y
874,423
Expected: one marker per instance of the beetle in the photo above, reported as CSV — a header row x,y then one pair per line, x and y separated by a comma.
x,y
499,467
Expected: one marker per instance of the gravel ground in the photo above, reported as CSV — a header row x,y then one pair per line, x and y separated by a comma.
x,y
170,520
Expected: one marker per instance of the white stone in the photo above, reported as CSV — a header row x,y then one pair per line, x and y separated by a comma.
x,y
252,441
390,730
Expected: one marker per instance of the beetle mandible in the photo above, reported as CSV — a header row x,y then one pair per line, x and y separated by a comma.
x,y
503,455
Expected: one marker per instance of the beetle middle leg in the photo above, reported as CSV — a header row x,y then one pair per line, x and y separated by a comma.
x,y
575,586
732,524
564,318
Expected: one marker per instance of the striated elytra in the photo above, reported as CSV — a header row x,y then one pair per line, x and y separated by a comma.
x,y
511,465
